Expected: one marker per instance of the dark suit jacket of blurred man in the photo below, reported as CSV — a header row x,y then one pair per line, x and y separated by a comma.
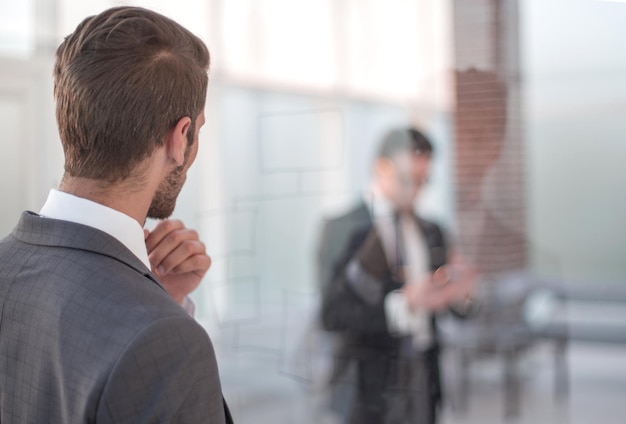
x,y
89,335
394,383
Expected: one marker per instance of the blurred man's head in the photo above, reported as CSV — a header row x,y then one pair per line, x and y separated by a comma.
x,y
122,82
402,166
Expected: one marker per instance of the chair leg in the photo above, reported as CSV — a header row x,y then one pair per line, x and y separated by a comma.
x,y
561,372
463,369
511,384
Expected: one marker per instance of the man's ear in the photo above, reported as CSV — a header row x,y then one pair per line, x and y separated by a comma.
x,y
176,142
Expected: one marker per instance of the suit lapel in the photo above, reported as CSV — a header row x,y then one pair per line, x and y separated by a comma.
x,y
227,415
435,242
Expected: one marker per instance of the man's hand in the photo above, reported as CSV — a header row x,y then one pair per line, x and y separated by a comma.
x,y
177,256
452,284
466,275
424,294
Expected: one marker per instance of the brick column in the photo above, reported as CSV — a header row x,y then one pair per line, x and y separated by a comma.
x,y
489,154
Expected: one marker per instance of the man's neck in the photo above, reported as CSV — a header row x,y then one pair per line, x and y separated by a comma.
x,y
380,195
127,198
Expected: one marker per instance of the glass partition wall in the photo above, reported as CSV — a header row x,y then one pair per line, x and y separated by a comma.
x,y
300,95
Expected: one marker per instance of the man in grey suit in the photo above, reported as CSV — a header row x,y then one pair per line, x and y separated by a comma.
x,y
88,330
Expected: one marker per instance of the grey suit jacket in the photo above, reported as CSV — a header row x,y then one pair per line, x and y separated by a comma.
x,y
87,334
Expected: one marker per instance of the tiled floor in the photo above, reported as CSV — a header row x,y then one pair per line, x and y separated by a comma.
x,y
261,391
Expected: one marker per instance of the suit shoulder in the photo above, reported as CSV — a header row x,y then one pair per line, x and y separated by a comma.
x,y
357,214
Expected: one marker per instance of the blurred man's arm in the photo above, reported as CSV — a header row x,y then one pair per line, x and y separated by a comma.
x,y
353,300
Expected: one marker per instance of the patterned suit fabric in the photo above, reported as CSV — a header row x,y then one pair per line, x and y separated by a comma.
x,y
87,334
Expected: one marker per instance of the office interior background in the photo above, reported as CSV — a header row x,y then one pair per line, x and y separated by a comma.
x,y
300,94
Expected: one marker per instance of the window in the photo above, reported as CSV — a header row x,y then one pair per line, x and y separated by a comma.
x,y
17,28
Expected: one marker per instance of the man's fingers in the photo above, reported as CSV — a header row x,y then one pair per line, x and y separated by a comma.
x,y
437,297
162,230
170,243
170,254
186,258
199,264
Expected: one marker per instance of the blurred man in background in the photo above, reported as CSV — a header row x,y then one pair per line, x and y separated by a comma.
x,y
384,276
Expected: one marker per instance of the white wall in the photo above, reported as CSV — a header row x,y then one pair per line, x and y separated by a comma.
x,y
30,154
575,73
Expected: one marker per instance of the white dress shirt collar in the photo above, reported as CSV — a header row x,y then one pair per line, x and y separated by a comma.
x,y
67,207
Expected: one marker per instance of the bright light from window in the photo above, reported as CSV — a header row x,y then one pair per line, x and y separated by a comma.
x,y
279,41
190,13
16,28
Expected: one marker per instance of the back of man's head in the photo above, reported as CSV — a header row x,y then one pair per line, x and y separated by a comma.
x,y
121,81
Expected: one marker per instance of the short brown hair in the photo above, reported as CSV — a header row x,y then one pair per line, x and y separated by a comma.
x,y
122,79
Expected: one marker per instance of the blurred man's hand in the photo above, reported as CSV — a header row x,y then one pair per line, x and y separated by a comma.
x,y
177,256
450,285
